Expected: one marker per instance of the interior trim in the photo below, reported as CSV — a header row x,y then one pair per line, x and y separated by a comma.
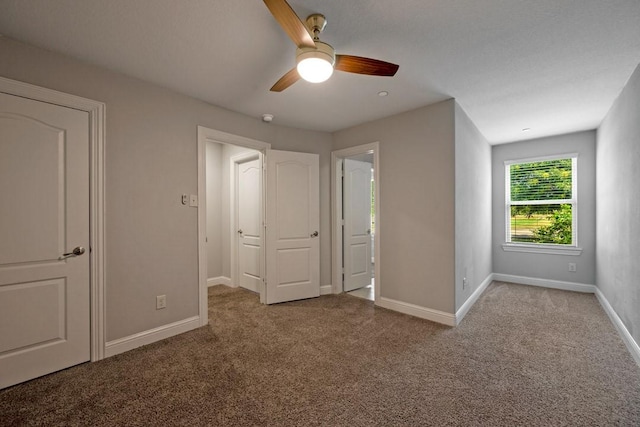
x,y
152,335
545,283
542,249
326,289
472,299
220,280
418,311
631,344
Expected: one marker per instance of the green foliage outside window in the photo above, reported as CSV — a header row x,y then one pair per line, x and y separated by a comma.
x,y
559,231
541,181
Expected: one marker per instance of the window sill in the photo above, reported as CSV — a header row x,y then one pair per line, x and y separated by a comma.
x,y
542,249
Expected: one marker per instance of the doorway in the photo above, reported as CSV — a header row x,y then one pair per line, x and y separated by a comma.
x,y
356,223
234,215
287,249
358,231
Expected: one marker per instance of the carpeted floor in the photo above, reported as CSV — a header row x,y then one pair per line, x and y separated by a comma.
x,y
522,356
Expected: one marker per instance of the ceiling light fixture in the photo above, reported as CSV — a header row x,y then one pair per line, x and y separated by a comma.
x,y
315,65
267,118
526,129
383,93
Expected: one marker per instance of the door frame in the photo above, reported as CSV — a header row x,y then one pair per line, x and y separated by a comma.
x,y
234,163
97,263
336,213
205,135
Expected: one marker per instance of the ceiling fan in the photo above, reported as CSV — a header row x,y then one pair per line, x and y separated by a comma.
x,y
316,60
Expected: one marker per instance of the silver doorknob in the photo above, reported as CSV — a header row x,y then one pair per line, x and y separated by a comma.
x,y
315,234
77,251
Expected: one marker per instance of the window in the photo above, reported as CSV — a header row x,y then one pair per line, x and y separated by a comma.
x,y
541,202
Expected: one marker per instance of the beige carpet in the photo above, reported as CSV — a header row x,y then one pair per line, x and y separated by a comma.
x,y
522,356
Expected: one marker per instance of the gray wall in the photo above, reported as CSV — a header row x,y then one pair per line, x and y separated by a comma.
x,y
214,209
151,159
473,207
545,266
416,202
618,210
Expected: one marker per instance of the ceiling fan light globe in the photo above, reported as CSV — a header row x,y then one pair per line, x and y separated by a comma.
x,y
315,65
315,70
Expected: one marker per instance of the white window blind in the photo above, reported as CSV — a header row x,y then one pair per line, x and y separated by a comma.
x,y
541,201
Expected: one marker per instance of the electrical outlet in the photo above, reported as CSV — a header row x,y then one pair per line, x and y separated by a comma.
x,y
464,283
161,302
572,267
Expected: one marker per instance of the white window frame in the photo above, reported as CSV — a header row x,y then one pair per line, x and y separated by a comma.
x,y
546,248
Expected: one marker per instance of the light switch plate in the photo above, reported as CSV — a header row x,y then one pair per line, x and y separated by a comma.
x,y
193,200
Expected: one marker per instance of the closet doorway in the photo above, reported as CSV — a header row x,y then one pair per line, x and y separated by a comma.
x,y
241,182
234,231
356,222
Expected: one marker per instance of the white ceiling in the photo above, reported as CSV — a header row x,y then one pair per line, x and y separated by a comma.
x,y
554,66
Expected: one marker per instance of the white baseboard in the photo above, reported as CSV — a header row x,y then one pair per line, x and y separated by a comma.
x,y
147,337
326,289
631,344
473,298
220,280
418,311
545,283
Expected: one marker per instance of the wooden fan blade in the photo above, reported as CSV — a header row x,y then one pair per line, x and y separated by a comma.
x,y
290,23
360,65
285,81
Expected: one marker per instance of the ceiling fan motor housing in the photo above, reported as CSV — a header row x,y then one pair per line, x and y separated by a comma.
x,y
321,51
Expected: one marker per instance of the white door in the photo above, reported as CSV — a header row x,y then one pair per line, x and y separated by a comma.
x,y
44,213
357,224
292,233
248,211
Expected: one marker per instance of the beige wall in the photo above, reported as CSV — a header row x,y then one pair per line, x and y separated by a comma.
x,y
151,159
416,202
